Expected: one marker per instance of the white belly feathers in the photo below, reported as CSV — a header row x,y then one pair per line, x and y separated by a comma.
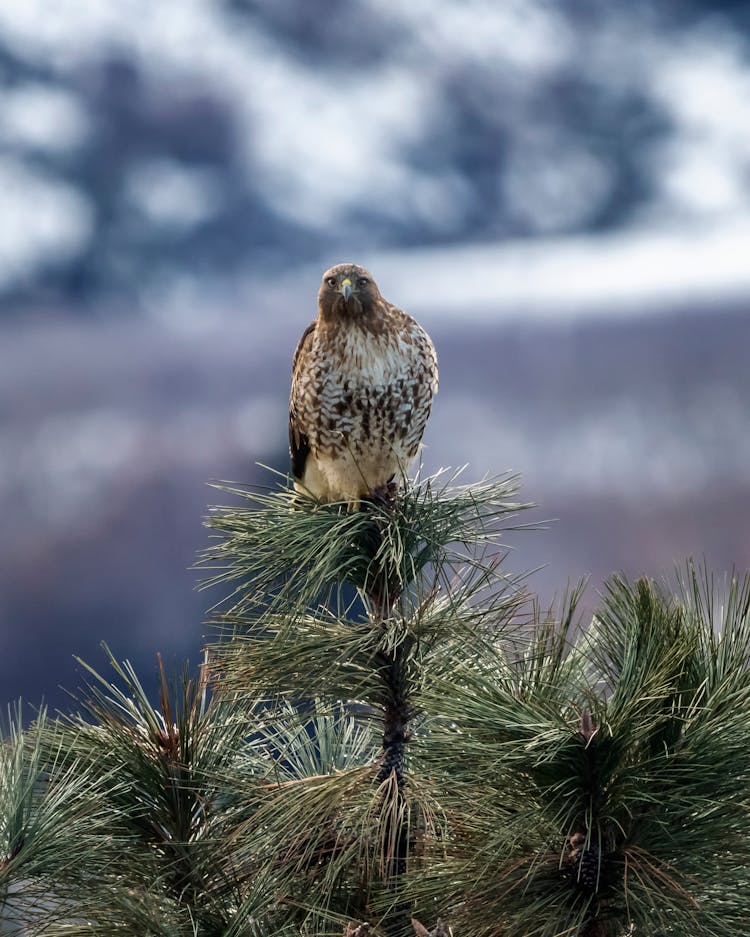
x,y
372,399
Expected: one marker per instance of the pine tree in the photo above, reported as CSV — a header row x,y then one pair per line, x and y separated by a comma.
x,y
350,610
389,736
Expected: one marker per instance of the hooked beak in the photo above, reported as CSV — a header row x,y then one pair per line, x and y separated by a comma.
x,y
346,289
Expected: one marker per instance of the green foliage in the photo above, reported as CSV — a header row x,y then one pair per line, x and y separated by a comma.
x,y
286,552
51,813
354,608
389,726
418,576
614,791
129,814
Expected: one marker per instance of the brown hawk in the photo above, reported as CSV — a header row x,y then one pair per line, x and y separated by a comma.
x,y
363,379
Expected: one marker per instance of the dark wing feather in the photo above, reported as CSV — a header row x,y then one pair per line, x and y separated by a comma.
x,y
299,445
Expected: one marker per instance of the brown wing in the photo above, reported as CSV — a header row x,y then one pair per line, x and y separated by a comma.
x,y
299,445
422,381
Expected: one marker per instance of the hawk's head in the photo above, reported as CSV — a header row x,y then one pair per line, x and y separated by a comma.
x,y
348,291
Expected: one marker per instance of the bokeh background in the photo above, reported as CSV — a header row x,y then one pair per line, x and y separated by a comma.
x,y
559,191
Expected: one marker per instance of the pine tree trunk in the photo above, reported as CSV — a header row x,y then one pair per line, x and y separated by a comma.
x,y
397,714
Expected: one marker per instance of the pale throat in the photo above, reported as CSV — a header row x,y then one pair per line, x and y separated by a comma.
x,y
373,357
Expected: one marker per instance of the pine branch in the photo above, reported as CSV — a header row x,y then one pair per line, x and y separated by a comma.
x,y
340,605
397,732
617,785
292,553
51,812
182,770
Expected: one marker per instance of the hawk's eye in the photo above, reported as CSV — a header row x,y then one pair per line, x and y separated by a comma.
x,y
363,281
331,281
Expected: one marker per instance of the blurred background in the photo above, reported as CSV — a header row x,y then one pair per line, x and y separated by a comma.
x,y
559,191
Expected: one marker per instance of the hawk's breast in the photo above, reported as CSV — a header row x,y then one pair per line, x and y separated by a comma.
x,y
361,397
374,392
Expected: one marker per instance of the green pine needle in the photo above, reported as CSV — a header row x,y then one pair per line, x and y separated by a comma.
x,y
287,551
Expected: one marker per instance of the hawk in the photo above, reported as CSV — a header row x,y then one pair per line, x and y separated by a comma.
x,y
363,379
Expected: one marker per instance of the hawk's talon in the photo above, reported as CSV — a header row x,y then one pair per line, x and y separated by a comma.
x,y
384,496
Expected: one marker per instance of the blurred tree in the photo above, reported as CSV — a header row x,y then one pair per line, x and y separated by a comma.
x,y
180,139
174,174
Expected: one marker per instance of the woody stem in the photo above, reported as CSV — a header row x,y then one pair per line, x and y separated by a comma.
x,y
397,712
